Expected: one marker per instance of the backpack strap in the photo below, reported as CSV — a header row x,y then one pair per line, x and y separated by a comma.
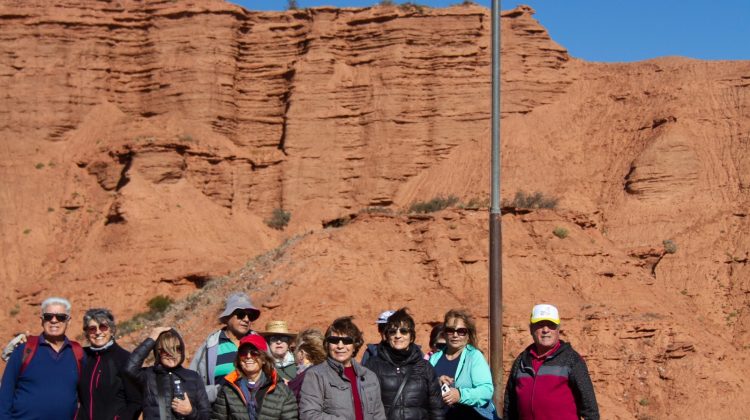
x,y
78,353
32,343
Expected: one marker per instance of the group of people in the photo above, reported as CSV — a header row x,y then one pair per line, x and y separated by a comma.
x,y
239,373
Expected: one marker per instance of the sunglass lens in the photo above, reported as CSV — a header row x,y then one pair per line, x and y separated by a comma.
x,y
335,340
59,317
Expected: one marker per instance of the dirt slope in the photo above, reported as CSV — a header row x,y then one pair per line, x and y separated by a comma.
x,y
144,143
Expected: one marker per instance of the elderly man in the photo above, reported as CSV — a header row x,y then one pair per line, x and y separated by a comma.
x,y
279,339
214,359
40,379
549,380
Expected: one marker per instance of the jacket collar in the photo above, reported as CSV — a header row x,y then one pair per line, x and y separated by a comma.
x,y
339,367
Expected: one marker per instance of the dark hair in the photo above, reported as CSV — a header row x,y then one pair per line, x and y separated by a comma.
x,y
402,317
345,325
264,359
101,316
468,321
311,342
436,332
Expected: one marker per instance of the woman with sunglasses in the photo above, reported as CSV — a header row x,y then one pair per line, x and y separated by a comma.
x,y
463,371
168,390
103,390
254,389
409,388
341,388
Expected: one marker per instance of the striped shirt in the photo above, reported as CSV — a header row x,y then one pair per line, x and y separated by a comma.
x,y
225,355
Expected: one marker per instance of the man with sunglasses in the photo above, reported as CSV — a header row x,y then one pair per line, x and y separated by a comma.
x,y
549,380
279,338
214,359
41,376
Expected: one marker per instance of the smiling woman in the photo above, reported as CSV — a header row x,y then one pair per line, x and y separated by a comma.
x,y
103,391
409,387
340,386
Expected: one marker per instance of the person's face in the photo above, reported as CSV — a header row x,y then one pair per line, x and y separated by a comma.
x,y
167,360
456,334
439,343
250,361
546,334
340,348
398,338
239,322
98,334
55,321
279,346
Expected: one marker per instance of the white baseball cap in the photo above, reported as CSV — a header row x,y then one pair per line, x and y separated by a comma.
x,y
383,317
545,312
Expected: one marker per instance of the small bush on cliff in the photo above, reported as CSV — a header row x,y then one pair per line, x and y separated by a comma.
x,y
560,232
159,303
436,204
536,200
279,219
292,5
669,246
386,3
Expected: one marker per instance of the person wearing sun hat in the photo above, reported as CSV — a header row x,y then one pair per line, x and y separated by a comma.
x,y
279,338
215,357
549,380
253,390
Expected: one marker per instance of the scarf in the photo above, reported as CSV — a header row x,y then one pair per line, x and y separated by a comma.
x,y
104,347
249,391
398,356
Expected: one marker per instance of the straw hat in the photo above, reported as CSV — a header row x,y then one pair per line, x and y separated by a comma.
x,y
277,328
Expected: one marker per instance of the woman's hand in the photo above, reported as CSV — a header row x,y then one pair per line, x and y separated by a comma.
x,y
156,332
182,407
451,397
445,379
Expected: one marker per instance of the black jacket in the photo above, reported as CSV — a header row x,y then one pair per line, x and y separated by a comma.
x,y
103,390
157,377
421,397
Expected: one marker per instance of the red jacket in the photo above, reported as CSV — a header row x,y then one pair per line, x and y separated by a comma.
x,y
560,390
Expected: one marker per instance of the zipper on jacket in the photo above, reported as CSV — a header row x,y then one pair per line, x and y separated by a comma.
x,y
91,386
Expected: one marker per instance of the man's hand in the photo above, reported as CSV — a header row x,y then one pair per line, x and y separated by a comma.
x,y
182,407
15,342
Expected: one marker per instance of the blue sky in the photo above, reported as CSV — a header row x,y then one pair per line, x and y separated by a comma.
x,y
616,30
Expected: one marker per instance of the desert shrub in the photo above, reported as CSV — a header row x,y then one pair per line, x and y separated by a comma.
x,y
669,246
292,5
409,6
159,303
39,165
476,203
26,231
279,219
386,3
436,204
536,200
377,210
560,232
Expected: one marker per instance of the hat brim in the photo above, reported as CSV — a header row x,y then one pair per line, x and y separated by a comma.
x,y
267,334
553,320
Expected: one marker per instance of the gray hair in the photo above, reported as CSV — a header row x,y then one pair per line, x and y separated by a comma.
x,y
56,301
101,316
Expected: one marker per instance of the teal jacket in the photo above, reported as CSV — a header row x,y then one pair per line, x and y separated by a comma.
x,y
473,377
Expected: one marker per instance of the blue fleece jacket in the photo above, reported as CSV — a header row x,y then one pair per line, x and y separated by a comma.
x,y
45,390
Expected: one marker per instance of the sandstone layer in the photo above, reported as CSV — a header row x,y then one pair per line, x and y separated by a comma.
x,y
145,143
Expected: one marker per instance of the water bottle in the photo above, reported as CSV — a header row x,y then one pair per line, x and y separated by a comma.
x,y
177,390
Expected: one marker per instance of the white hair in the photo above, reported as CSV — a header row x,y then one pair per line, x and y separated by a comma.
x,y
56,301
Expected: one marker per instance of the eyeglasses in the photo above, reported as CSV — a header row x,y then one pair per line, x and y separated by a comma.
x,y
336,339
392,331
243,313
48,317
91,329
460,331
249,353
278,338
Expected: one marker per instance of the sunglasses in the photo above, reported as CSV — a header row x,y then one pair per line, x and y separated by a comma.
x,y
336,339
278,338
91,329
460,331
440,346
249,353
48,317
392,331
242,314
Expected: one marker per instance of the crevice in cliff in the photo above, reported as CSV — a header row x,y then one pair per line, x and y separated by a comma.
x,y
127,161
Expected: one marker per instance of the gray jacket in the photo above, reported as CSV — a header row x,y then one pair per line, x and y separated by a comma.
x,y
204,362
327,395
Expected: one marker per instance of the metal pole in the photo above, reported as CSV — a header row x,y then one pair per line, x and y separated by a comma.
x,y
496,232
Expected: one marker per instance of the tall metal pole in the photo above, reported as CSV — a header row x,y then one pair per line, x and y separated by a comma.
x,y
496,232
